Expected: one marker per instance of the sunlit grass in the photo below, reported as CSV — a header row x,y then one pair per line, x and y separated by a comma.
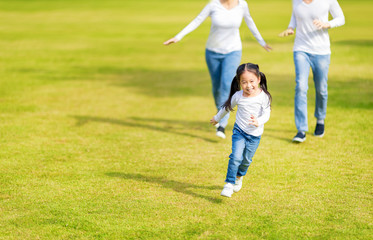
x,y
105,134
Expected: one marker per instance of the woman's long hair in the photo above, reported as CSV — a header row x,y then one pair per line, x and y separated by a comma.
x,y
235,86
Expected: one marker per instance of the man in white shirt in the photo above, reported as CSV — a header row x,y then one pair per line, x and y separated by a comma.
x,y
312,49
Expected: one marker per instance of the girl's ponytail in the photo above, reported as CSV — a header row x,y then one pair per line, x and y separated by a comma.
x,y
235,86
263,85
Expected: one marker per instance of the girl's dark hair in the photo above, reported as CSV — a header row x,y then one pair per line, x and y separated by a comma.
x,y
235,86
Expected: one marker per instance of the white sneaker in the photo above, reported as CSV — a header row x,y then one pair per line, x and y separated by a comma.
x,y
220,132
227,190
238,185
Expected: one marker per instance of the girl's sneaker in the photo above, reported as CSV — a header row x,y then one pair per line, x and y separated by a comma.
x,y
220,132
227,190
238,185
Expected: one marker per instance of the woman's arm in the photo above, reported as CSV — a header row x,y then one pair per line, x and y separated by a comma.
x,y
253,29
192,25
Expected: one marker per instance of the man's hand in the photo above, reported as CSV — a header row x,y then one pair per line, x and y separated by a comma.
x,y
321,25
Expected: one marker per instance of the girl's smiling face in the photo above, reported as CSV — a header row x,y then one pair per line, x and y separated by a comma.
x,y
249,83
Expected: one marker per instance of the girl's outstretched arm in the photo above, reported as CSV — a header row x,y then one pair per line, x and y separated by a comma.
x,y
213,121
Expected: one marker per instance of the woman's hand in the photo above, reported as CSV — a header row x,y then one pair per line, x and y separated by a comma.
x,y
172,40
253,121
213,121
287,32
321,25
267,48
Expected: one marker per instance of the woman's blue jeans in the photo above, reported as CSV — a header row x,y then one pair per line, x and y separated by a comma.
x,y
243,150
222,69
320,67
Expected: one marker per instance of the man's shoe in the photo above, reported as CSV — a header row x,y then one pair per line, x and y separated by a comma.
x,y
220,132
227,190
319,130
300,137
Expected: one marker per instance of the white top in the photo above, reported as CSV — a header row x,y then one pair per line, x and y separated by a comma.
x,y
224,34
258,106
308,38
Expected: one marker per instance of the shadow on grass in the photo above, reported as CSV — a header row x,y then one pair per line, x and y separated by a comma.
x,y
177,127
197,83
185,188
166,83
276,131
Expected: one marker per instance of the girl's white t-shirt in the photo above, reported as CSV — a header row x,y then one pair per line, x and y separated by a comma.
x,y
308,38
224,34
258,106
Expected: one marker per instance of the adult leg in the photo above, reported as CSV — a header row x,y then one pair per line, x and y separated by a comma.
x,y
320,69
214,64
228,70
302,70
235,158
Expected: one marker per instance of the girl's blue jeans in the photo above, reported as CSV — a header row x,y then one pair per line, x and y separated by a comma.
x,y
222,69
320,67
243,150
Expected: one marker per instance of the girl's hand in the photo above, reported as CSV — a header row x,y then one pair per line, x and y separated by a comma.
x,y
172,40
287,32
213,122
267,48
253,121
320,25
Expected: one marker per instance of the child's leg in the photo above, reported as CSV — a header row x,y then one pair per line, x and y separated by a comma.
x,y
252,144
236,157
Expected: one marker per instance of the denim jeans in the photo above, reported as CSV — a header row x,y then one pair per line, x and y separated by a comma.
x,y
320,67
222,69
243,149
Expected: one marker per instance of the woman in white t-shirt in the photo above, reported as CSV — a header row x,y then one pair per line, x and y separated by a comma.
x,y
312,49
223,47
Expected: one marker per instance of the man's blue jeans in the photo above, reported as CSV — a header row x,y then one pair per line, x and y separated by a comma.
x,y
222,68
320,67
243,150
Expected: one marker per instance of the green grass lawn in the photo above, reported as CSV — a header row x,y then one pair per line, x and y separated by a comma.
x,y
105,132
